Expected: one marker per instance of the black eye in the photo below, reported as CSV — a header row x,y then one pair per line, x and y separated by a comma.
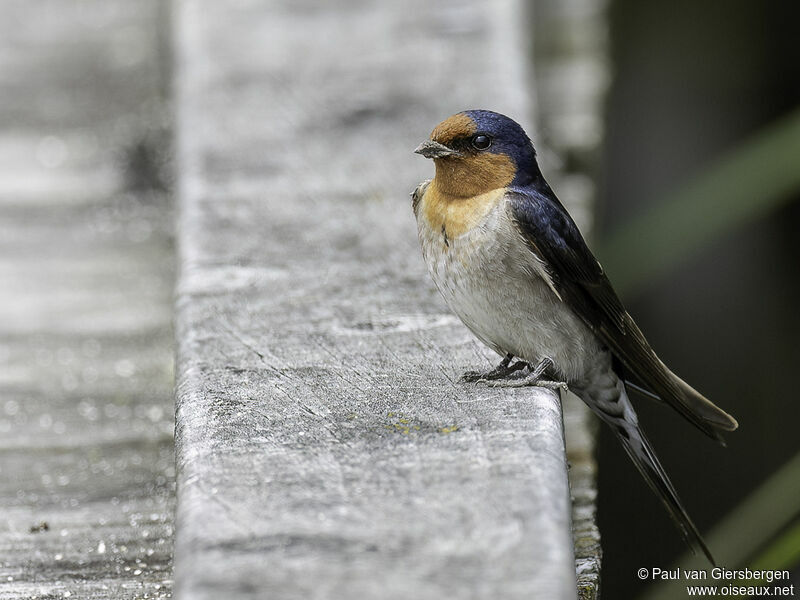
x,y
481,141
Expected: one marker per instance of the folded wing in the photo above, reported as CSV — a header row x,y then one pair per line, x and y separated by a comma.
x,y
551,233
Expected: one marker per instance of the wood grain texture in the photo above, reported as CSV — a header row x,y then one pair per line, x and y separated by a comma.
x,y
325,446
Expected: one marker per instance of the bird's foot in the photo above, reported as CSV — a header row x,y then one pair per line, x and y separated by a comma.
x,y
504,369
534,378
529,382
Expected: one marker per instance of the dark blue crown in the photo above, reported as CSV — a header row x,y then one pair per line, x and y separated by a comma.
x,y
508,138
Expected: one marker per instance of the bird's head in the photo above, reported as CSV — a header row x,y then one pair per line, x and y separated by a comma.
x,y
477,151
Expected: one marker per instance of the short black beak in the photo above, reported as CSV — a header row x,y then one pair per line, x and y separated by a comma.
x,y
431,149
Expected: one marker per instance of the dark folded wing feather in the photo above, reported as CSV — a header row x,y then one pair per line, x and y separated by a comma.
x,y
551,233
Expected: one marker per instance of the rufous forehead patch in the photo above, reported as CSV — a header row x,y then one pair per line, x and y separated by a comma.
x,y
457,126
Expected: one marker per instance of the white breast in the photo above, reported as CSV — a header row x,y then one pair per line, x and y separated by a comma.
x,y
502,292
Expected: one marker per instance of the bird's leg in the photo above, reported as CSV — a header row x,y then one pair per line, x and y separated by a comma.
x,y
534,378
504,369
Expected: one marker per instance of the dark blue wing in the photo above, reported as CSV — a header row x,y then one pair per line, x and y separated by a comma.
x,y
581,282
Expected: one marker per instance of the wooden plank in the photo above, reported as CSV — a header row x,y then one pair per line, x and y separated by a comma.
x,y
325,446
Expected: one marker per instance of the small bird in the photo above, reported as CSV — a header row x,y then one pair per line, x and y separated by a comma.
x,y
511,263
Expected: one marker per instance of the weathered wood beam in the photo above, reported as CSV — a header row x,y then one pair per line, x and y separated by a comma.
x,y
325,446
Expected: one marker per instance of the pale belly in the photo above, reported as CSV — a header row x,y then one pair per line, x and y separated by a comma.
x,y
494,283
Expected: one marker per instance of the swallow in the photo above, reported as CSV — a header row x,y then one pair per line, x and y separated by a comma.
x,y
513,266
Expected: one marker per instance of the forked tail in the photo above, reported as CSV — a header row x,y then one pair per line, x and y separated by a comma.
x,y
607,397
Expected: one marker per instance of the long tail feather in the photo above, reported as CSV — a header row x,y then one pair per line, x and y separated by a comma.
x,y
606,396
643,456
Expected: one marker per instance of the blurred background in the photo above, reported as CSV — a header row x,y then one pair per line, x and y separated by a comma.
x,y
86,276
684,169
701,115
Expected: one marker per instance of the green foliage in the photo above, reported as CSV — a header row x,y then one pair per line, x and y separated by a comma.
x,y
763,173
752,180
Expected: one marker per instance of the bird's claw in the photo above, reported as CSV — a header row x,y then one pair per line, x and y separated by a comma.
x,y
534,378
529,382
471,376
501,371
